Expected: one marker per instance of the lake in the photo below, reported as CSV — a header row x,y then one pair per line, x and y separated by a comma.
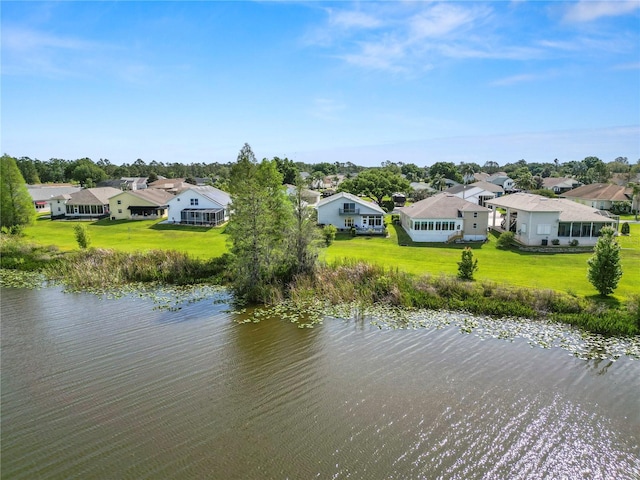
x,y
97,388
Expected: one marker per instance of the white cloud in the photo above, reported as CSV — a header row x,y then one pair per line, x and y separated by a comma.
x,y
588,10
441,20
514,79
353,19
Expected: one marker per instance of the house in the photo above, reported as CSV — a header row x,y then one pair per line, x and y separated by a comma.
x,y
310,197
200,205
443,218
86,203
478,192
42,194
344,211
126,183
498,178
559,184
538,220
147,204
171,185
600,195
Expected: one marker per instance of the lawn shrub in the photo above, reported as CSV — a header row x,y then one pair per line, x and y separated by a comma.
x,y
505,240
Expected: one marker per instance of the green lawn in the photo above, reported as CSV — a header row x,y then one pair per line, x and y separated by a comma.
x,y
124,235
566,272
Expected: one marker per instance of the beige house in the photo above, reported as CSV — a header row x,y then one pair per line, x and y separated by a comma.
x,y
538,220
87,203
600,195
145,204
444,218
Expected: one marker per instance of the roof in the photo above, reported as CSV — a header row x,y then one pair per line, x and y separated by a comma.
x,y
351,197
46,192
167,183
442,205
489,187
569,211
153,195
599,191
93,196
550,182
211,193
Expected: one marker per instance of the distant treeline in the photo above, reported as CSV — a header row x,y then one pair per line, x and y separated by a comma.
x,y
87,172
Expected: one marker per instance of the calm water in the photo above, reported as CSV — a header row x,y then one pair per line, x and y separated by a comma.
x,y
116,389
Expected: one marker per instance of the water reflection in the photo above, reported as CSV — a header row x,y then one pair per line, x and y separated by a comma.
x,y
120,389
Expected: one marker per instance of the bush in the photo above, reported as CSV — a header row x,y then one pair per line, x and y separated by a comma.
x,y
82,236
505,240
329,233
574,243
555,241
467,266
624,230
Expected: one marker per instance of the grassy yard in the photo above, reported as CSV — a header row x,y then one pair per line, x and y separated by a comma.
x,y
124,235
566,272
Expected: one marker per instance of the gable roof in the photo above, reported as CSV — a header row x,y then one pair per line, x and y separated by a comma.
x,y
442,205
93,196
569,211
153,195
486,186
599,191
45,192
211,193
352,198
550,182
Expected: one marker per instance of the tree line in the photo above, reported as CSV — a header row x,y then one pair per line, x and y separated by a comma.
x,y
87,172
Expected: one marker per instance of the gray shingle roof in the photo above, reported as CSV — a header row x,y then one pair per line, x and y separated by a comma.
x,y
442,205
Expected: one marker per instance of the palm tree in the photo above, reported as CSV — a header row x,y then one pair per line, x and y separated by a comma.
x,y
438,182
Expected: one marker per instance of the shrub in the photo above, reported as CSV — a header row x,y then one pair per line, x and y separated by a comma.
x,y
505,240
82,236
467,266
574,243
329,233
624,230
555,241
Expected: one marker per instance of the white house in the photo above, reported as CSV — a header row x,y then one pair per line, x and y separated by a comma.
x,y
200,205
86,203
478,192
310,197
538,220
445,217
42,195
344,210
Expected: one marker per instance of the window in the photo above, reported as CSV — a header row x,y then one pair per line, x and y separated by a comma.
x,y
119,210
119,202
543,229
475,214
452,225
349,207
438,226
348,222
430,226
475,225
194,201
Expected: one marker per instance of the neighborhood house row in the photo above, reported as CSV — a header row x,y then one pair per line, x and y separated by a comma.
x,y
462,213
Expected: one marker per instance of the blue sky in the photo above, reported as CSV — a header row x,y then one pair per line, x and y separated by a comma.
x,y
365,82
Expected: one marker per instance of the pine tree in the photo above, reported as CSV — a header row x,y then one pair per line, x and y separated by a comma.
x,y
16,205
261,216
604,270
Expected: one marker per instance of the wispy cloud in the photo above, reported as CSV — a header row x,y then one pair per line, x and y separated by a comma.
x,y
589,10
326,108
514,79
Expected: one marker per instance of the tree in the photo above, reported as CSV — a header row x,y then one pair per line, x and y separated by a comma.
x,y
82,236
447,170
438,182
287,169
604,271
376,183
28,170
467,266
329,233
84,171
303,232
16,205
523,179
261,217
491,167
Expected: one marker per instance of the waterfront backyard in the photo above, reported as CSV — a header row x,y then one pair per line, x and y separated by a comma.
x,y
565,272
